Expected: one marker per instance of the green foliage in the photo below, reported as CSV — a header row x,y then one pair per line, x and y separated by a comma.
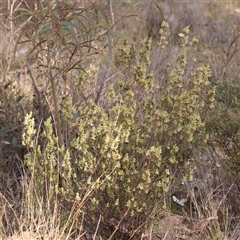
x,y
125,155
11,115
62,38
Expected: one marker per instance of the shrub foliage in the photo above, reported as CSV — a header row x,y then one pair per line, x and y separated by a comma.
x,y
122,155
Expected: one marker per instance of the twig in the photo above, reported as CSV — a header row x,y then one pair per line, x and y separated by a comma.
x,y
2,111
119,223
205,222
95,234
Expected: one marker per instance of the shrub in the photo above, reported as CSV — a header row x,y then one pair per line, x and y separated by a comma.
x,y
11,153
12,116
126,152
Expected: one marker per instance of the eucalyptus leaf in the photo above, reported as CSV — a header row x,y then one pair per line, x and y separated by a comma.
x,y
14,141
73,34
159,9
68,24
45,28
122,36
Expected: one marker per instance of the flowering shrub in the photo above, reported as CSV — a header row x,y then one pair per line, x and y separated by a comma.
x,y
123,156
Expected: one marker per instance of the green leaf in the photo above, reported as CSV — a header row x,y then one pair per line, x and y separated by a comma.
x,y
104,25
90,42
74,65
45,28
135,4
81,23
68,24
159,9
11,98
22,11
69,29
14,141
132,15
122,36
19,98
102,11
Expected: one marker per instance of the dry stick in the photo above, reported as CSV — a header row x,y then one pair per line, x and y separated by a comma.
x,y
95,234
11,5
205,222
229,57
55,101
2,111
136,230
113,22
119,223
56,113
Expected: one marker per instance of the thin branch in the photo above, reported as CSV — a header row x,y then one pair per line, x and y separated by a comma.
x,y
95,234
